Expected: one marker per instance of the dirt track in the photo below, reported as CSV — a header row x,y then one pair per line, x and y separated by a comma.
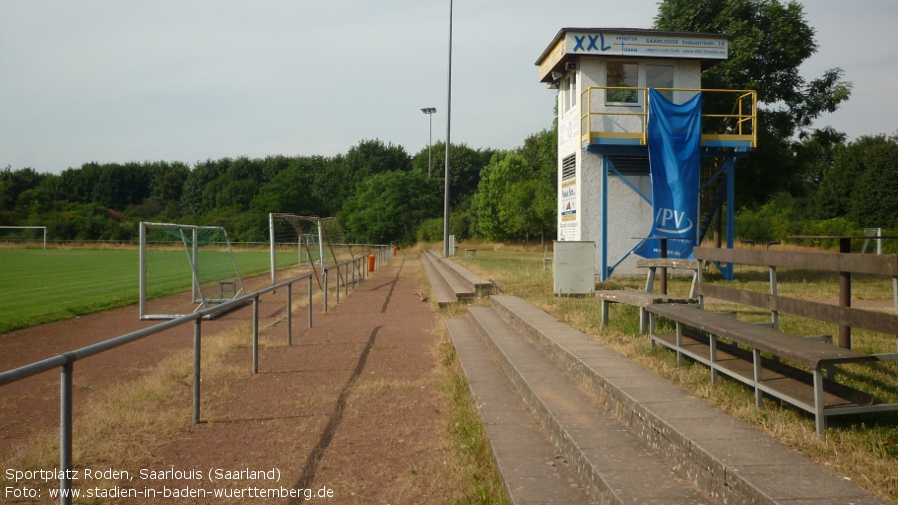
x,y
352,405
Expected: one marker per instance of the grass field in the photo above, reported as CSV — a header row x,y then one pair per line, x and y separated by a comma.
x,y
39,286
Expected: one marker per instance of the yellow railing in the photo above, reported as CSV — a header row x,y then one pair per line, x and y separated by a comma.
x,y
609,122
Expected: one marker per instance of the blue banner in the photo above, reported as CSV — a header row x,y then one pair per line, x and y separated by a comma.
x,y
674,142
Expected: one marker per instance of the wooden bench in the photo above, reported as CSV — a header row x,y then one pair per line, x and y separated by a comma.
x,y
643,299
698,332
472,252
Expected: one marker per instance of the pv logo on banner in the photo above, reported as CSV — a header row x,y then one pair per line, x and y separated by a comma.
x,y
674,142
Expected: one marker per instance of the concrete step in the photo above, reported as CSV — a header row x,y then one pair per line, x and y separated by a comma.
x,y
532,471
480,284
723,456
441,291
460,288
614,464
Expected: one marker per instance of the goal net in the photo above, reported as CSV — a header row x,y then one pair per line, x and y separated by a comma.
x,y
24,236
185,268
309,241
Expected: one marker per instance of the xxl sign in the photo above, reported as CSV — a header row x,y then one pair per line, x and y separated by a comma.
x,y
662,46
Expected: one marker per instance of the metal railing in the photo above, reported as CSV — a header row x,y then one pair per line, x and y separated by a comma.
x,y
740,125
351,272
67,360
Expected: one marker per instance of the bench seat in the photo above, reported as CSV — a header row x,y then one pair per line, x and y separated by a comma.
x,y
639,299
809,391
810,353
645,298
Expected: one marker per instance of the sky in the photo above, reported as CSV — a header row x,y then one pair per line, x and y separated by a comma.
x,y
190,80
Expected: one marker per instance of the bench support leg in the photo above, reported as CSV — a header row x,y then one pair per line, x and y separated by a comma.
x,y
679,344
643,318
652,330
605,307
756,359
713,360
818,402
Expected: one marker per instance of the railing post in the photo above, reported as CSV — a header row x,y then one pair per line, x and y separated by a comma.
x,y
290,314
310,301
346,279
255,334
325,289
338,284
197,349
65,432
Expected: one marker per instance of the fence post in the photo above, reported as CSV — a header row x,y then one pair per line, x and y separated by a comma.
x,y
255,334
65,432
346,280
290,314
310,301
197,336
325,290
338,284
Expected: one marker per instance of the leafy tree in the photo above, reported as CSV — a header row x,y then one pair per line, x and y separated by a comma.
x,y
528,209
387,207
465,164
373,157
288,192
167,181
863,183
815,154
119,186
198,195
14,182
540,151
497,180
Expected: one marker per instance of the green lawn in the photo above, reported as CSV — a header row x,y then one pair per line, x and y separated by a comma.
x,y
38,286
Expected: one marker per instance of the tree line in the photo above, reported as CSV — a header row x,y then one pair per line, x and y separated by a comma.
x,y
378,191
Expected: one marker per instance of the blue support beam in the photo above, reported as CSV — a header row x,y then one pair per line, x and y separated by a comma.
x,y
603,272
730,166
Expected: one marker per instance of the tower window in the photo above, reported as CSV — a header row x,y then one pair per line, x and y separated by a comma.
x,y
622,75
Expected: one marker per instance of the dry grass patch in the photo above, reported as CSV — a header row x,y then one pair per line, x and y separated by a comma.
x,y
471,475
127,423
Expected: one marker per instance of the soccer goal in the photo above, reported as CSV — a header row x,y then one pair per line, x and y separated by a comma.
x,y
24,234
295,241
185,268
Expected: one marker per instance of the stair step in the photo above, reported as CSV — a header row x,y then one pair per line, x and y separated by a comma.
x,y
481,285
456,285
441,291
724,456
531,468
616,465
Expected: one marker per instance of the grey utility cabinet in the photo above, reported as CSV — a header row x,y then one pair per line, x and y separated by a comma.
x,y
575,271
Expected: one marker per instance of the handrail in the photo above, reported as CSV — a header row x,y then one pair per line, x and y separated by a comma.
x,y
35,368
736,119
358,272
66,361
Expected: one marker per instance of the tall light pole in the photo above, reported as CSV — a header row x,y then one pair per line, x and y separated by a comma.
x,y
448,143
429,111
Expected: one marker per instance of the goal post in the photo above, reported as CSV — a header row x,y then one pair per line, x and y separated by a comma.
x,y
22,235
193,264
295,241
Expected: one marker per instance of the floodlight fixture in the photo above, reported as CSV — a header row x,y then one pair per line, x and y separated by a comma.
x,y
429,111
